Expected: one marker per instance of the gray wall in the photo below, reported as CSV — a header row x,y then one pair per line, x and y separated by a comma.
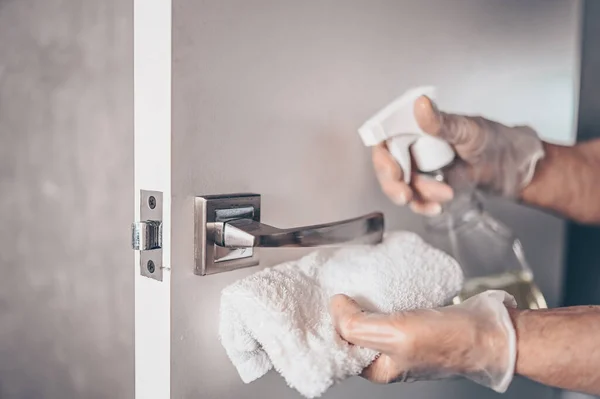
x,y
267,97
66,199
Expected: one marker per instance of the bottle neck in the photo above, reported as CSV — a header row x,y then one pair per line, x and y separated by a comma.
x,y
466,205
463,209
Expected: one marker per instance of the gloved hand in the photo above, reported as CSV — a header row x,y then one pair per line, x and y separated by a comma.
x,y
497,158
475,339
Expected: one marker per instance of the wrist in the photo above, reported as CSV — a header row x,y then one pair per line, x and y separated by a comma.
x,y
539,172
490,347
561,182
480,346
491,357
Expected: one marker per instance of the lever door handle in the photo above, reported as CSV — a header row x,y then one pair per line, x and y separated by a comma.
x,y
228,232
248,233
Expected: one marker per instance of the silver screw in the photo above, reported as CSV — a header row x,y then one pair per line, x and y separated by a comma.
x,y
150,266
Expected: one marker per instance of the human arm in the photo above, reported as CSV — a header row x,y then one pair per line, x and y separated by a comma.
x,y
507,161
479,339
567,181
560,347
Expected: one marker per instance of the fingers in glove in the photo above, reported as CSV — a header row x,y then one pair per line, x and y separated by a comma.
x,y
385,165
425,208
390,176
431,190
457,130
362,328
383,370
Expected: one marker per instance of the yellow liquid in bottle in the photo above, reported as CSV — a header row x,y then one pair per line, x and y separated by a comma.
x,y
518,284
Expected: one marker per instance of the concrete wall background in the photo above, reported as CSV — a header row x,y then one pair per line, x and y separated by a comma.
x,y
66,196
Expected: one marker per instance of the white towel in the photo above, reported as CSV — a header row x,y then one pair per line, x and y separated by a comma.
x,y
278,317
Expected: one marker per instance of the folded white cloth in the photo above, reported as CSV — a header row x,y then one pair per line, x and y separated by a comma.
x,y
278,317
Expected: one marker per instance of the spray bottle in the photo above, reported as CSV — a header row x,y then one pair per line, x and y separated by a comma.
x,y
489,253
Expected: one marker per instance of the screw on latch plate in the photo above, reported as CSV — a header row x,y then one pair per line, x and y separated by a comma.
x,y
146,235
150,266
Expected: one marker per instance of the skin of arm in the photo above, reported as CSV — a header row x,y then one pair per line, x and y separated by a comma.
x,y
567,181
560,347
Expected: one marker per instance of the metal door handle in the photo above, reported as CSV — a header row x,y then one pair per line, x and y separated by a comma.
x,y
248,233
228,232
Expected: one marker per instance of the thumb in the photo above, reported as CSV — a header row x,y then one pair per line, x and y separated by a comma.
x,y
361,328
455,129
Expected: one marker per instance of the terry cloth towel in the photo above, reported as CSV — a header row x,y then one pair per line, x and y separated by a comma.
x,y
278,317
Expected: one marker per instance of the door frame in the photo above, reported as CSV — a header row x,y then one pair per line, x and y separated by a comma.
x,y
152,171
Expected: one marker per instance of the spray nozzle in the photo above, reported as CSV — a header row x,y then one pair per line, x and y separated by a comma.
x,y
396,124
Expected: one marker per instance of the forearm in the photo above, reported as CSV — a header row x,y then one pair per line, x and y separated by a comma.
x,y
560,347
567,181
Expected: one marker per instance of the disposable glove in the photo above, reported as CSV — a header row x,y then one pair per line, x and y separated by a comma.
x,y
498,159
475,339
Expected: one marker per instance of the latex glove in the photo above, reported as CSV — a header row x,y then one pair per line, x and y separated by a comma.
x,y
475,339
499,159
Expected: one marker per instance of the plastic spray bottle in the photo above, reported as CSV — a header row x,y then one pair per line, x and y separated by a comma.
x,y
489,253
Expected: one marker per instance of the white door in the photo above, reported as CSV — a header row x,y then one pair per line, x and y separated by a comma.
x,y
265,96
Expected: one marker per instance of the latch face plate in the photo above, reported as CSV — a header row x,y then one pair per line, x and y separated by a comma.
x,y
147,234
211,258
